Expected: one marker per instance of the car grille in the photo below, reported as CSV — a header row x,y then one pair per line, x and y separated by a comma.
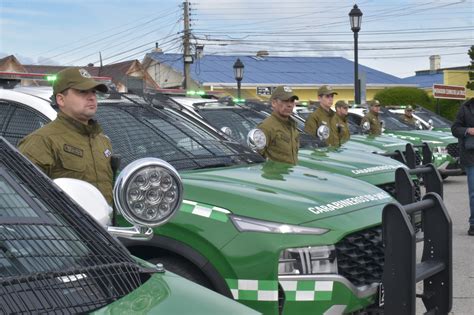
x,y
360,257
453,149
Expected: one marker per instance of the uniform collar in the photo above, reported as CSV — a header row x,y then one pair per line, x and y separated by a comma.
x,y
330,112
91,129
280,119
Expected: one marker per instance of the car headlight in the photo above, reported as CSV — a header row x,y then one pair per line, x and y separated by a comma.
x,y
256,139
323,132
308,260
244,224
148,192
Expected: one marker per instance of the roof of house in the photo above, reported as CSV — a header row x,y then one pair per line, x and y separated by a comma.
x,y
425,80
276,70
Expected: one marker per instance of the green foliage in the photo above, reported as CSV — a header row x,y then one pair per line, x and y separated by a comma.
x,y
403,96
470,83
415,96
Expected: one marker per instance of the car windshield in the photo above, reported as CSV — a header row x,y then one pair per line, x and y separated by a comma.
x,y
393,122
52,253
138,129
438,121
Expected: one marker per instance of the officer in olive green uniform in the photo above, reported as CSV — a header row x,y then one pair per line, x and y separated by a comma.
x,y
408,116
73,145
323,115
280,129
373,118
339,125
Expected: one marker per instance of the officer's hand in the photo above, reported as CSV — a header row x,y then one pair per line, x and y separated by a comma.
x,y
470,131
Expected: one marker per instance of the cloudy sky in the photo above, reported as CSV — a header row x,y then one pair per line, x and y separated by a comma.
x,y
397,36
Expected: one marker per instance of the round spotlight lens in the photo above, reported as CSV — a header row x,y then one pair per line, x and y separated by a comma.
x,y
256,139
148,192
323,132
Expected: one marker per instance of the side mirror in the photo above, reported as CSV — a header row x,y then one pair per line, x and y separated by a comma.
x,y
256,139
323,132
88,197
366,126
226,130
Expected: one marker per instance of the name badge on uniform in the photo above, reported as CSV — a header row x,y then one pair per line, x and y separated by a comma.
x,y
73,150
107,153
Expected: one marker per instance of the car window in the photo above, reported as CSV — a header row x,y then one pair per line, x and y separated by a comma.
x,y
53,255
5,108
138,130
22,122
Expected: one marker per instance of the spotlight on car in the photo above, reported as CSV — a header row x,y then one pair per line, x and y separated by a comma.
x,y
323,132
226,130
366,126
148,192
256,139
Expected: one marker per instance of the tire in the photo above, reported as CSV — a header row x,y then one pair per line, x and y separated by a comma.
x,y
184,269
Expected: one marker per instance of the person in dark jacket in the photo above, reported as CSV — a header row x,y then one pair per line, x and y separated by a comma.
x,y
463,128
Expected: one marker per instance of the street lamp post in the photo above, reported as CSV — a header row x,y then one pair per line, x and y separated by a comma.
x,y
239,74
355,17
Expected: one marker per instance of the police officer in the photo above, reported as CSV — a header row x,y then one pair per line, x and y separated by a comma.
x,y
408,116
339,123
73,145
373,118
322,115
280,129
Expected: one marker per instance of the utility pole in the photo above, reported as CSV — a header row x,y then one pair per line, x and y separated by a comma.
x,y
187,57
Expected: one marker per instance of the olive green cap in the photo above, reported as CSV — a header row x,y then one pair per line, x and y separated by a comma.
x,y
76,78
283,93
341,104
326,90
373,103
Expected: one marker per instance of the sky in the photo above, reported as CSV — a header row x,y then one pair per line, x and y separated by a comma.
x,y
396,36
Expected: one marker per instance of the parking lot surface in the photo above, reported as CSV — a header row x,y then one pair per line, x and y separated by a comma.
x,y
456,201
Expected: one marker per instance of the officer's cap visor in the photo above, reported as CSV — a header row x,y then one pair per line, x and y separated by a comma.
x,y
89,85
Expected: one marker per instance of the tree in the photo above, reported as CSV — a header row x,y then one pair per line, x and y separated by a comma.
x,y
470,83
403,96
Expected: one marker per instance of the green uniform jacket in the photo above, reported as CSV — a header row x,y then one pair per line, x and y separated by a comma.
x,y
410,120
373,119
321,117
283,139
67,148
344,135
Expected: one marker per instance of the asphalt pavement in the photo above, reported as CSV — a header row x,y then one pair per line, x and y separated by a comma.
x,y
456,202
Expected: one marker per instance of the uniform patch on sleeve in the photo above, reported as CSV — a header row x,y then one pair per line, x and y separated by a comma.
x,y
73,150
107,153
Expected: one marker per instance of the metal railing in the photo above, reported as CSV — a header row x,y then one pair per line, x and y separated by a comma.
x,y
402,272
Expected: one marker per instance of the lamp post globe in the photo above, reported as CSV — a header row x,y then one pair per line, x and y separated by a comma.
x,y
355,17
239,74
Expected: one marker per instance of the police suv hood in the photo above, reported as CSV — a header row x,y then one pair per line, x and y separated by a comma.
x,y
281,193
434,138
383,143
370,167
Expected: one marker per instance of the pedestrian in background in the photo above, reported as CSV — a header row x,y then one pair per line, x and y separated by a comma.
x,y
372,117
463,129
73,145
339,124
280,129
323,115
408,116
